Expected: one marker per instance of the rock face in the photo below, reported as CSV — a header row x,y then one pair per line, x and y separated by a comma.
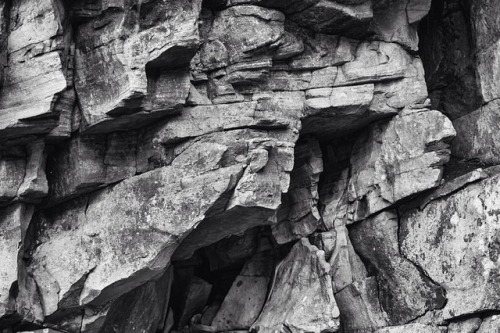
x,y
211,166
461,231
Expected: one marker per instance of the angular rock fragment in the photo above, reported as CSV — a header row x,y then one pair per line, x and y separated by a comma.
x,y
146,218
124,63
396,21
193,300
34,184
375,61
347,267
359,306
247,295
394,160
478,134
302,282
36,73
300,203
460,230
404,292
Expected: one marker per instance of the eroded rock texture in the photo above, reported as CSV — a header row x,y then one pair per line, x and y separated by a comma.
x,y
204,166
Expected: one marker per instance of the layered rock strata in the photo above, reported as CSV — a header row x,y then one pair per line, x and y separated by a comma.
x,y
249,166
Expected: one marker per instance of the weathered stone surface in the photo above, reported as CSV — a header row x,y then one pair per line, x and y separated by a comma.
x,y
299,207
490,324
395,160
114,257
36,71
332,111
34,184
359,306
113,51
404,292
245,30
345,262
466,326
12,170
413,328
478,134
302,282
461,230
396,21
194,300
335,17
448,54
144,307
12,221
375,61
247,295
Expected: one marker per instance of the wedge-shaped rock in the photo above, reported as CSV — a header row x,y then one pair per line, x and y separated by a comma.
x,y
35,74
247,295
392,161
346,264
462,230
397,21
404,292
144,307
112,54
257,196
478,134
359,306
302,283
124,235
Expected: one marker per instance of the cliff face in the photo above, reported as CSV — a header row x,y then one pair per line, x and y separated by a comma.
x,y
249,165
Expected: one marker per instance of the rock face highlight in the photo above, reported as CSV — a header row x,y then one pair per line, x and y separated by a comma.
x,y
206,166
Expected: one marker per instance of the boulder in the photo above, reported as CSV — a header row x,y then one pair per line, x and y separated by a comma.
x,y
460,230
302,282
395,160
404,292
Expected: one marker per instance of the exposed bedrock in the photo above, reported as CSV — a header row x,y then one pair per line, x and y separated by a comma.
x,y
249,166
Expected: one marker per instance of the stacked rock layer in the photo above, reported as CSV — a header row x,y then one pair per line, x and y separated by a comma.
x,y
249,165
